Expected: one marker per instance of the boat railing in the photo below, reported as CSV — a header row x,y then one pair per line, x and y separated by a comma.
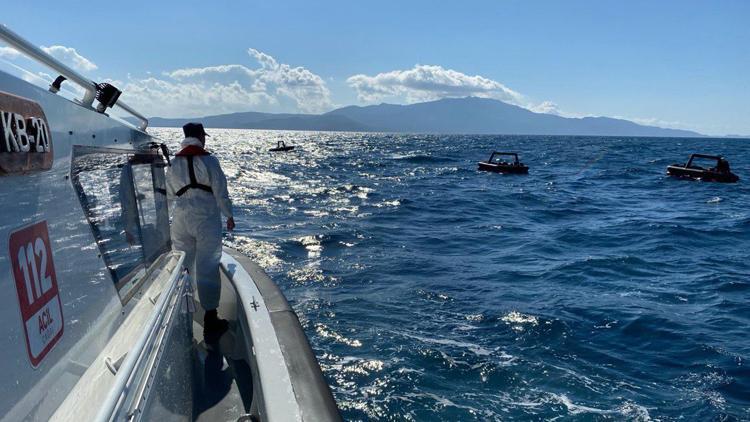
x,y
89,86
126,373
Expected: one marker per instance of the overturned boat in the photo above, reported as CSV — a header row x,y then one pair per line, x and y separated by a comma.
x,y
496,163
101,322
718,172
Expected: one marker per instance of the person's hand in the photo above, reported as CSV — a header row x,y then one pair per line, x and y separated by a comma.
x,y
230,223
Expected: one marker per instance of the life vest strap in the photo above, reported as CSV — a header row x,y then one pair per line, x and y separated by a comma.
x,y
193,181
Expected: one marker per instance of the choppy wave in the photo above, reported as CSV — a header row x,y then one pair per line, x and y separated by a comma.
x,y
595,288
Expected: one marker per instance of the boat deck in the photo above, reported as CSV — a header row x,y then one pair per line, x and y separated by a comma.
x,y
223,387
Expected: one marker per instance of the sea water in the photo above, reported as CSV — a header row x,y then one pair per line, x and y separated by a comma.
x,y
593,288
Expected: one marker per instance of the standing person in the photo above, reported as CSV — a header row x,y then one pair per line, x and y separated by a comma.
x,y
198,189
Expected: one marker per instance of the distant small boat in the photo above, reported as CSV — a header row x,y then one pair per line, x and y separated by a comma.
x,y
498,165
281,147
720,172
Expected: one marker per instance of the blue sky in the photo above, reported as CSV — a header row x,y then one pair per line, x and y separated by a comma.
x,y
682,64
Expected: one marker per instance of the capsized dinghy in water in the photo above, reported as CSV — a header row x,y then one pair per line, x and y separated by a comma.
x,y
101,322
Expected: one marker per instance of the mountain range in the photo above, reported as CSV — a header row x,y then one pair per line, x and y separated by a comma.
x,y
470,115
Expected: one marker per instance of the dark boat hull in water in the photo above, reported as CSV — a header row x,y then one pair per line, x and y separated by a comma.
x,y
496,164
281,149
718,172
503,168
682,172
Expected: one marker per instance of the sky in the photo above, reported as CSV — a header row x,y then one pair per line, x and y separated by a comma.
x,y
680,64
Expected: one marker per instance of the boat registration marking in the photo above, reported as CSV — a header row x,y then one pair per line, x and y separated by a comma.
x,y
36,285
25,138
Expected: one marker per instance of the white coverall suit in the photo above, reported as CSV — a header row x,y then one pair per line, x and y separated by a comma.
x,y
196,223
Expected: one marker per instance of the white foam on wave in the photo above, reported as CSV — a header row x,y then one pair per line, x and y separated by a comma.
x,y
583,379
311,273
326,332
405,370
443,402
347,210
517,320
629,410
607,324
316,213
312,245
356,365
475,317
393,203
466,327
472,347
704,386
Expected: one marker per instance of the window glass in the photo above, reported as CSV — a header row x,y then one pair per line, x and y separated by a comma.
x,y
151,195
124,200
702,162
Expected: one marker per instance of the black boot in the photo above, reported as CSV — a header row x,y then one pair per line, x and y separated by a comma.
x,y
213,326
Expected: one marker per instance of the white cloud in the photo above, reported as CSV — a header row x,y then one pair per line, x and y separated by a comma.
x,y
36,74
37,78
219,73
9,52
547,107
159,97
653,121
427,82
70,56
229,88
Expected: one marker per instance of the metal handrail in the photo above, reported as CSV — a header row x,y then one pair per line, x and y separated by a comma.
x,y
137,115
36,53
127,369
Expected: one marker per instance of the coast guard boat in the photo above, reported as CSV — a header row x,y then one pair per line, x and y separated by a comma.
x,y
99,317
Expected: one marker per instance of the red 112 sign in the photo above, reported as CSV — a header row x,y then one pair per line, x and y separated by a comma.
x,y
36,285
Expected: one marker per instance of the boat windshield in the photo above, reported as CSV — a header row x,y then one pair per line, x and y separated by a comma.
x,y
503,158
124,197
702,162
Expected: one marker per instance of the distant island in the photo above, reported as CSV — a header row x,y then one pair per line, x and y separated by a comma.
x,y
470,115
